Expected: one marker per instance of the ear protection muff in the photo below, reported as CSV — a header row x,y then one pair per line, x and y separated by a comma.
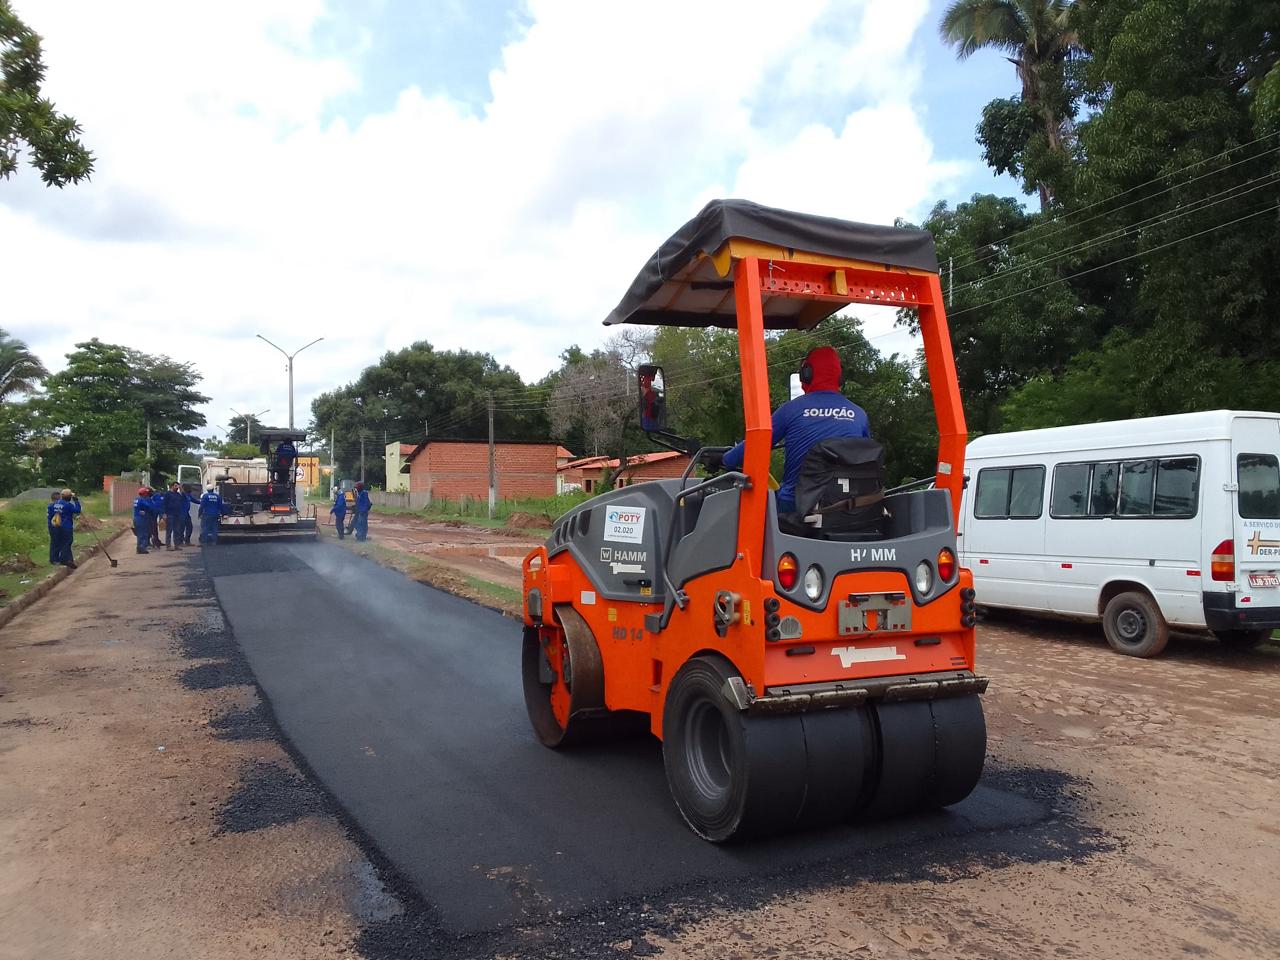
x,y
806,372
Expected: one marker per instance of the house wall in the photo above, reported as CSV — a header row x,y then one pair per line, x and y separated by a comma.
x,y
454,470
397,482
662,470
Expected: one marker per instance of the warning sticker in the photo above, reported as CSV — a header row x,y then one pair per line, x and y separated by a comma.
x,y
624,524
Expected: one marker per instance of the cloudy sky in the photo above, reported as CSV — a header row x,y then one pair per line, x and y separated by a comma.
x,y
477,173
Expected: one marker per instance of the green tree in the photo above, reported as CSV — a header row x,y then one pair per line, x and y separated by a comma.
x,y
52,139
417,392
100,405
235,450
20,370
236,430
1037,37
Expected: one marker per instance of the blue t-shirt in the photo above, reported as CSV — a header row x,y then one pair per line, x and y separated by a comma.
x,y
66,511
211,504
800,423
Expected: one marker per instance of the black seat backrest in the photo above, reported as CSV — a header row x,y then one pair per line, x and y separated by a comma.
x,y
838,470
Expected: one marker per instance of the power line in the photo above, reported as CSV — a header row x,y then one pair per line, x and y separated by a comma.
x,y
1110,263
1073,213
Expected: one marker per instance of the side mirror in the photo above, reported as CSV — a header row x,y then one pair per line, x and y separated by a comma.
x,y
653,401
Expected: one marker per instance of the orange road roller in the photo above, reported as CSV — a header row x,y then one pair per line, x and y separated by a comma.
x,y
800,668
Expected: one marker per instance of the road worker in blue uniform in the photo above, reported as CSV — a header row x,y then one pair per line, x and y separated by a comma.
x,y
144,512
189,500
62,521
54,497
157,502
363,506
339,511
210,511
175,502
823,413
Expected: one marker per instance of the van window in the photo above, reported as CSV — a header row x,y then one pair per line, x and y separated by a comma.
x,y
1009,493
1102,493
1137,485
1259,477
1070,490
1177,487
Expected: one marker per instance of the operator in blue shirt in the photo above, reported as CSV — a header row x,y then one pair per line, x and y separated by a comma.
x,y
823,413
210,511
62,521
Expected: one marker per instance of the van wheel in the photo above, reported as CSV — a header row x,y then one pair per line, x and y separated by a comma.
x,y
1242,639
1134,625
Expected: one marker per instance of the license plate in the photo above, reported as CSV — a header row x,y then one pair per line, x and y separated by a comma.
x,y
1264,580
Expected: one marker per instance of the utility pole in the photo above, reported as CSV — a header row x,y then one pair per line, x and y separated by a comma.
x,y
289,366
951,278
362,456
493,473
248,421
333,453
148,449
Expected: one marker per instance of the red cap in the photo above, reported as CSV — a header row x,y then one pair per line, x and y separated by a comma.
x,y
825,363
359,484
142,491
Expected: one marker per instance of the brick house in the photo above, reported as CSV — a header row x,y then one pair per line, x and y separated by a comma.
x,y
588,473
452,469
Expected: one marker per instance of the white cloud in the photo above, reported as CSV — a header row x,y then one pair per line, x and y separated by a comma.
x,y
223,204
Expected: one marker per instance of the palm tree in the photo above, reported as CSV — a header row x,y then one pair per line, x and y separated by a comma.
x,y
20,369
1033,35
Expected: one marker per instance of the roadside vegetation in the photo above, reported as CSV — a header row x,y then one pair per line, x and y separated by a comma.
x,y
24,540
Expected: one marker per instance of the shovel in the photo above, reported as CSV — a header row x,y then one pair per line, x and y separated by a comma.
x,y
110,558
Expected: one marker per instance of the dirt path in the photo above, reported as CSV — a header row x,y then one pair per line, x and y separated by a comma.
x,y
145,807
1174,765
1162,776
492,555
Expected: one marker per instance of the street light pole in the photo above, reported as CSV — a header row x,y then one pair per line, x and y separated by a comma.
x,y
248,420
289,366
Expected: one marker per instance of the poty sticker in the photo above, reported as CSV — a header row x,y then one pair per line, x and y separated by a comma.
x,y
624,524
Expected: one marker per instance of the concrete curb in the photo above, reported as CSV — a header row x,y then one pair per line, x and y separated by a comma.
x,y
10,611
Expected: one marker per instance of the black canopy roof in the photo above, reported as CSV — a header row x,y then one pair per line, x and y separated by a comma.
x,y
678,286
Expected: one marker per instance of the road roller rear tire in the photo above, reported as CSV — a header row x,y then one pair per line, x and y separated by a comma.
x,y
731,776
563,681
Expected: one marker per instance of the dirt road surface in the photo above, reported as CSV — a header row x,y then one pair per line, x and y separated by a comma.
x,y
492,555
1126,810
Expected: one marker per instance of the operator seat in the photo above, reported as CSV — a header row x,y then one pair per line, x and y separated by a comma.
x,y
840,492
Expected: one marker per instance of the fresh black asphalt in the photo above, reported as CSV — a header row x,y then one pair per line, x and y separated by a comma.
x,y
406,703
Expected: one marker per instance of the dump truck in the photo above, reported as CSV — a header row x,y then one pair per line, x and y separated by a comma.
x,y
259,500
800,669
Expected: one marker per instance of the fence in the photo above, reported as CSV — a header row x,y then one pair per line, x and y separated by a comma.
x,y
401,501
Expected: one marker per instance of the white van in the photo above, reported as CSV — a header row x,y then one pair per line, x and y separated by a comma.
x,y
1141,524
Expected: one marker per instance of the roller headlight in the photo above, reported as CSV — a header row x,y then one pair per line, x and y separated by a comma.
x,y
813,582
924,577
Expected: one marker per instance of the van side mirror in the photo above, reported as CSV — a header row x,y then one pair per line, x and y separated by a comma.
x,y
653,401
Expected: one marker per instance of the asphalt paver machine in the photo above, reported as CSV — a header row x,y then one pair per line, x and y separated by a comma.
x,y
260,497
796,676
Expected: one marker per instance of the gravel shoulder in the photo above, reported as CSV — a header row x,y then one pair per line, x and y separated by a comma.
x,y
146,807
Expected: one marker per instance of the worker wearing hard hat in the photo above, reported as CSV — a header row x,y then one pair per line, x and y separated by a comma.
x,y
62,521
144,511
210,511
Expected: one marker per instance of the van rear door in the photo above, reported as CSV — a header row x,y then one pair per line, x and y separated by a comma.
x,y
1255,463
